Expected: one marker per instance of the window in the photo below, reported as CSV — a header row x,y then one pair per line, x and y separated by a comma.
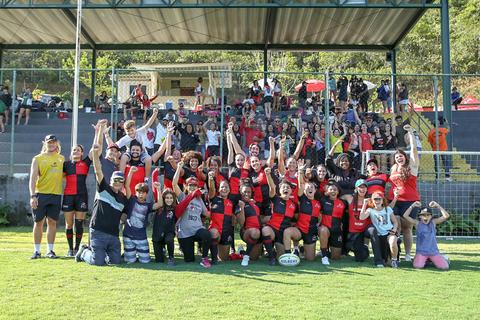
x,y
175,84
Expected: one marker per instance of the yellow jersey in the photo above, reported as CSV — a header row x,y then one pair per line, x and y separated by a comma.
x,y
50,169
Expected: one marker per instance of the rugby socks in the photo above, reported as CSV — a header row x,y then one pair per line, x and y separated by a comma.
x,y
250,244
78,233
288,251
69,234
36,247
50,247
268,244
214,250
170,249
324,253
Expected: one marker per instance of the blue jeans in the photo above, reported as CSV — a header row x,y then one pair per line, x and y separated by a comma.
x,y
104,249
446,160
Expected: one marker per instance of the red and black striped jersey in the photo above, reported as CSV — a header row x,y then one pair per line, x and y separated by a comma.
x,y
235,175
294,181
377,183
355,224
221,211
252,216
309,212
168,173
76,175
260,186
332,212
282,213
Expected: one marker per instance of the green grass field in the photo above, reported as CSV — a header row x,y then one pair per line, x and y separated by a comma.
x,y
45,289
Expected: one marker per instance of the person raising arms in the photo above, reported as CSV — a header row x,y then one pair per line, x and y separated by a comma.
x,y
283,211
403,177
309,215
427,247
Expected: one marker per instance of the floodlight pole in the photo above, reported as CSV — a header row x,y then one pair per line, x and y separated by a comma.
x,y
76,81
446,81
94,75
393,90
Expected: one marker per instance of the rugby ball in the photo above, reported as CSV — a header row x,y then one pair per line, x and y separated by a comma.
x,y
289,260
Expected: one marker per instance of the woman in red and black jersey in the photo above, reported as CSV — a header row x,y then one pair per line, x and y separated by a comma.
x,y
248,217
306,227
260,188
75,196
236,169
283,211
331,236
221,219
359,229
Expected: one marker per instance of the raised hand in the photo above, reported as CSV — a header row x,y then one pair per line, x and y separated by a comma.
x,y
417,204
271,140
180,164
211,175
157,186
396,192
133,169
434,205
365,202
268,171
301,164
171,127
96,147
241,204
154,112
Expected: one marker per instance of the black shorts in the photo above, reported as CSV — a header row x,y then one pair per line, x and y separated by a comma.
x,y
226,238
265,209
402,206
49,205
26,107
336,239
78,202
311,237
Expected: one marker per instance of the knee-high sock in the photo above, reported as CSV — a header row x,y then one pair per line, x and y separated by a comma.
x,y
69,234
78,233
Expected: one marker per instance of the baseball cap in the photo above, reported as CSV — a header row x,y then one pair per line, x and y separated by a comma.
x,y
113,146
117,174
50,137
360,182
425,211
372,160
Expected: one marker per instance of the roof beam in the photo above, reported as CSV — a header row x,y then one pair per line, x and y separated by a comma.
x,y
73,19
209,4
271,20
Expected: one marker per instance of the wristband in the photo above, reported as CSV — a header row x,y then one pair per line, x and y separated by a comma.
x,y
34,196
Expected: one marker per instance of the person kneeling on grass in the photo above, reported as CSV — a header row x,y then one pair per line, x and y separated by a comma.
x,y
109,205
385,223
135,231
427,248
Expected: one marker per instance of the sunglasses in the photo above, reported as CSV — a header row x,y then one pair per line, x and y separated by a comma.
x,y
141,191
120,180
377,199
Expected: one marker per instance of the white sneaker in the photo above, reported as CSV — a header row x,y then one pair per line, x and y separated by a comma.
x,y
245,261
380,266
325,261
446,258
408,258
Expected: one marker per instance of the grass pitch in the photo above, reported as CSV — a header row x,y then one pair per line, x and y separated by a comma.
x,y
47,289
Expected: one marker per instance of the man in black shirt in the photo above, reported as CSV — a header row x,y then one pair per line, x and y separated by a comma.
x,y
109,205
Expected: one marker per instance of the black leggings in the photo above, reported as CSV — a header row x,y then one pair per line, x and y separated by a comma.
x,y
188,244
159,247
360,250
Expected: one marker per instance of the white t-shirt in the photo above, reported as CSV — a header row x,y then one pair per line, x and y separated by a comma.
x,y
125,140
212,138
148,138
161,134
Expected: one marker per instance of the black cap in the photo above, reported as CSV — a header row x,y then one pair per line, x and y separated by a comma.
x,y
50,137
372,160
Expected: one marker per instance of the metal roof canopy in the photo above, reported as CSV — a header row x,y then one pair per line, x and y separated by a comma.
x,y
211,24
